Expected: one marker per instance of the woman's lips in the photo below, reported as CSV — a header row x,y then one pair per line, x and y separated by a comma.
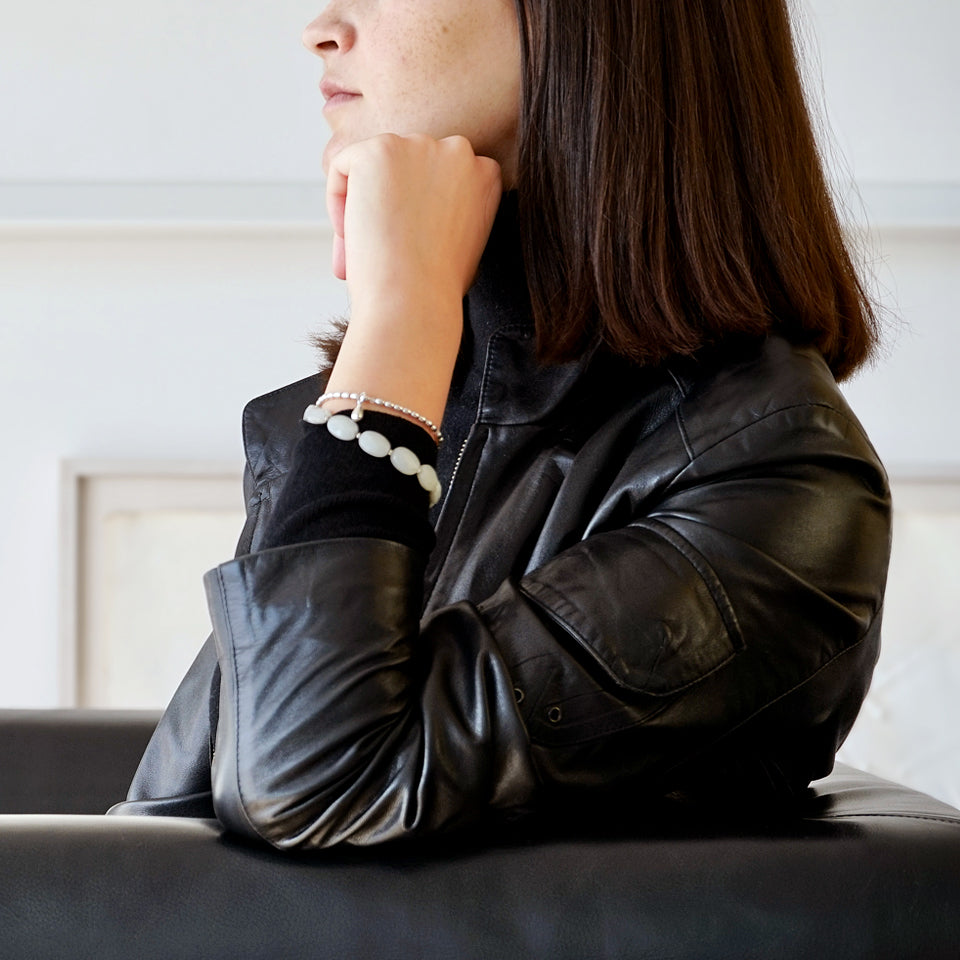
x,y
335,94
338,99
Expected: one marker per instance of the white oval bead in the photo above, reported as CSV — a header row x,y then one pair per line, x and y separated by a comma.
x,y
427,477
376,444
317,415
405,460
343,428
430,482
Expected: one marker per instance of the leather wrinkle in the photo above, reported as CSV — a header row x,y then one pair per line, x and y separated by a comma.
x,y
221,586
607,523
746,721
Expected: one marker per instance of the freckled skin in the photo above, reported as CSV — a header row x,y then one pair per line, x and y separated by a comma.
x,y
437,67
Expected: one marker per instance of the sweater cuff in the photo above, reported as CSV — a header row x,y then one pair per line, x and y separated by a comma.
x,y
334,489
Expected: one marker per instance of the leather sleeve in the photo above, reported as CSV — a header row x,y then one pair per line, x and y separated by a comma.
x,y
173,777
744,603
339,719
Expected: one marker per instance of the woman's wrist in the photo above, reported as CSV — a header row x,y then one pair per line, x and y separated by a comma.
x,y
329,404
405,356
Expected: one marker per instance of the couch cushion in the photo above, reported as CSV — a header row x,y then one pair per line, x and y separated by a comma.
x,y
868,871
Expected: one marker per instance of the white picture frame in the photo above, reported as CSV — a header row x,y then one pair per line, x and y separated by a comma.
x,y
136,537
909,727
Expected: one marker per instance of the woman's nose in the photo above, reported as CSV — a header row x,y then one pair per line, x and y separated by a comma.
x,y
329,32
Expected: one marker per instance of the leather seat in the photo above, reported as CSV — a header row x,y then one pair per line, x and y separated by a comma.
x,y
867,869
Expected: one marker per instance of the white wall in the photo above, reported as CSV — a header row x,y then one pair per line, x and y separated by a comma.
x,y
131,344
163,255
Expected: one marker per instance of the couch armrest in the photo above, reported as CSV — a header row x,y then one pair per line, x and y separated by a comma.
x,y
867,871
69,761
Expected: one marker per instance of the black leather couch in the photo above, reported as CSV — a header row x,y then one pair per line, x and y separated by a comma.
x,y
866,869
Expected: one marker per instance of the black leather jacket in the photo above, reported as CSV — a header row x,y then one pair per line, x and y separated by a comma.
x,y
645,580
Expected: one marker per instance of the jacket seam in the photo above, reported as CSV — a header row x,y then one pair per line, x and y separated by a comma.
x,y
452,539
685,439
493,347
678,416
782,696
236,681
810,405
695,558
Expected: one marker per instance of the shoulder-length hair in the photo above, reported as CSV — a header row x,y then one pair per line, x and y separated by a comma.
x,y
670,188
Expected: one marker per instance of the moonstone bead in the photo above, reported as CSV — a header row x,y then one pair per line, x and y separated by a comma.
x,y
343,428
317,415
427,477
430,482
405,460
376,444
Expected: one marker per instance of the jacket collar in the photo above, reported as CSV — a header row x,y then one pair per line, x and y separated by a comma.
x,y
498,373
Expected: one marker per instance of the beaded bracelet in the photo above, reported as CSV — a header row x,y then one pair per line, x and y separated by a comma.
x,y
377,445
361,398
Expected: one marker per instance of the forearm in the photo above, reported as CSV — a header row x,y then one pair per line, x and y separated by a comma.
x,y
336,490
402,349
339,720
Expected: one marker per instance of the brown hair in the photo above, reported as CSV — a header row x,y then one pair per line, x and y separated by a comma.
x,y
670,188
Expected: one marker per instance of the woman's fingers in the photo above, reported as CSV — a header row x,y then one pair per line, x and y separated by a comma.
x,y
336,200
339,259
410,209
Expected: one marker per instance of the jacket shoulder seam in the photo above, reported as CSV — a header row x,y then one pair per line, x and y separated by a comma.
x,y
678,415
807,405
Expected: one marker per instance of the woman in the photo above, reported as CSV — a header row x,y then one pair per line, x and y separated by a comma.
x,y
656,564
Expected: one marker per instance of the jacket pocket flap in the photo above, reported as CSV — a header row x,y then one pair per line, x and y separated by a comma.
x,y
643,605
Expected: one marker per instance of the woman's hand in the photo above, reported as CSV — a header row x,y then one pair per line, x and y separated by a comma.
x,y
411,216
410,202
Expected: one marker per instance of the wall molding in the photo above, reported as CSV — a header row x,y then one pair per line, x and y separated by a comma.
x,y
903,206
173,202
253,231
299,209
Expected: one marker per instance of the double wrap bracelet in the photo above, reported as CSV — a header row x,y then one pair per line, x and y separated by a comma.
x,y
362,398
375,444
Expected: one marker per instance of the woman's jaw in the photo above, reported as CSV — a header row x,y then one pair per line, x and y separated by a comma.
x,y
433,67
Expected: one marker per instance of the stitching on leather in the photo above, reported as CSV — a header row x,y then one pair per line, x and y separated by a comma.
x,y
493,347
565,613
771,703
682,430
678,416
697,560
812,405
236,682
488,366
